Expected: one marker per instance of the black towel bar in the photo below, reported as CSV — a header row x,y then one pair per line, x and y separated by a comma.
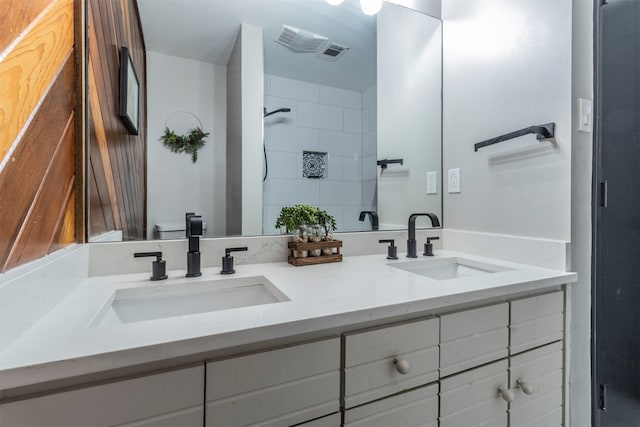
x,y
545,131
384,163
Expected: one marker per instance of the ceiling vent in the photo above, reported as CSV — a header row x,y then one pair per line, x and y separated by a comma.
x,y
300,40
332,52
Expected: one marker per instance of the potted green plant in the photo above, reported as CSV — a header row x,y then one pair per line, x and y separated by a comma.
x,y
328,222
295,219
292,217
298,218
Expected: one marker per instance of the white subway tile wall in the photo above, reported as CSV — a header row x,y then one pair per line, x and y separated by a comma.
x,y
339,122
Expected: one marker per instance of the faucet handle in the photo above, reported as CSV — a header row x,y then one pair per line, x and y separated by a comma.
x,y
158,267
227,251
392,250
227,259
428,247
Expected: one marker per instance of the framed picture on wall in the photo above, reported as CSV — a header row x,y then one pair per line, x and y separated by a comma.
x,y
129,92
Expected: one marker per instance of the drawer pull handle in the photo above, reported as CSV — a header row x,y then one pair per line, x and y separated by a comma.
x,y
402,365
525,387
507,394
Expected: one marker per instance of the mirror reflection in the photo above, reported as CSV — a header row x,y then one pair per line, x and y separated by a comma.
x,y
290,122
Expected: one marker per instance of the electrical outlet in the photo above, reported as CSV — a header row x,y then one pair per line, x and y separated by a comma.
x,y
432,182
454,180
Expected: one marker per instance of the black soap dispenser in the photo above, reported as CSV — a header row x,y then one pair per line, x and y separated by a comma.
x,y
392,250
428,247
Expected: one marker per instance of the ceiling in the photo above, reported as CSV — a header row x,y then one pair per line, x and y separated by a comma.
x,y
205,30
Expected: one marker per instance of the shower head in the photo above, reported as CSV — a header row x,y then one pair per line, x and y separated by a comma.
x,y
279,110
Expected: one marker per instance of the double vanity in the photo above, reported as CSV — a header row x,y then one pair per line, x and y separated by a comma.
x,y
452,339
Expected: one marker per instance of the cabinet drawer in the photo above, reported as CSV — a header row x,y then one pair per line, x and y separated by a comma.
x,y
370,372
536,321
418,407
542,370
170,398
473,337
473,398
279,387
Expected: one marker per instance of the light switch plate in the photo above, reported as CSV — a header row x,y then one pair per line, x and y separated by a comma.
x,y
585,116
454,180
432,182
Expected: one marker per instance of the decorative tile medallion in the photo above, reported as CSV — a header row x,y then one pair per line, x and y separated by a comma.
x,y
314,164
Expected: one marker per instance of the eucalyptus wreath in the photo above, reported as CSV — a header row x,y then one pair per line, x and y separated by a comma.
x,y
189,143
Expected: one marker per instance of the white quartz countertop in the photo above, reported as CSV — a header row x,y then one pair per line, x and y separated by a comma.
x,y
64,344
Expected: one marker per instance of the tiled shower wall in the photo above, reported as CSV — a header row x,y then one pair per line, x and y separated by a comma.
x,y
339,122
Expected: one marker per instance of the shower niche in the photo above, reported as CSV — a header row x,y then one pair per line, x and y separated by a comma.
x,y
314,164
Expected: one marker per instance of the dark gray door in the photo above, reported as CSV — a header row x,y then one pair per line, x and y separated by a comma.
x,y
616,288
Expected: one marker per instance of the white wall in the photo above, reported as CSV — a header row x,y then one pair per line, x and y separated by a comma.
x,y
582,87
175,185
234,141
244,125
430,7
370,149
507,65
409,112
252,133
323,119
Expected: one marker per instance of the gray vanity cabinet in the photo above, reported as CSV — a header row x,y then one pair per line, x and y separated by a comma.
x,y
522,383
418,407
386,361
495,365
500,365
536,378
536,364
471,398
165,399
281,387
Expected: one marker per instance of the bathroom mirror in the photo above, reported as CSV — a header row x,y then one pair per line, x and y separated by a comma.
x,y
367,94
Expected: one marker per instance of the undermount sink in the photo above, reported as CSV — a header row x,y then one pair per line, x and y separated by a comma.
x,y
137,304
448,268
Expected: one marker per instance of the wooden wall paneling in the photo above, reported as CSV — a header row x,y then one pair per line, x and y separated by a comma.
x,y
115,23
80,169
131,35
49,206
136,147
21,177
16,16
119,145
98,221
100,212
141,148
109,62
105,111
98,141
30,66
66,231
40,87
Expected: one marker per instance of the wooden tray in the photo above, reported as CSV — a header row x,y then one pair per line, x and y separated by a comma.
x,y
309,246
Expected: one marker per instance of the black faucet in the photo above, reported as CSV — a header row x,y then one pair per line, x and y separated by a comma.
x,y
373,217
411,243
194,231
227,260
